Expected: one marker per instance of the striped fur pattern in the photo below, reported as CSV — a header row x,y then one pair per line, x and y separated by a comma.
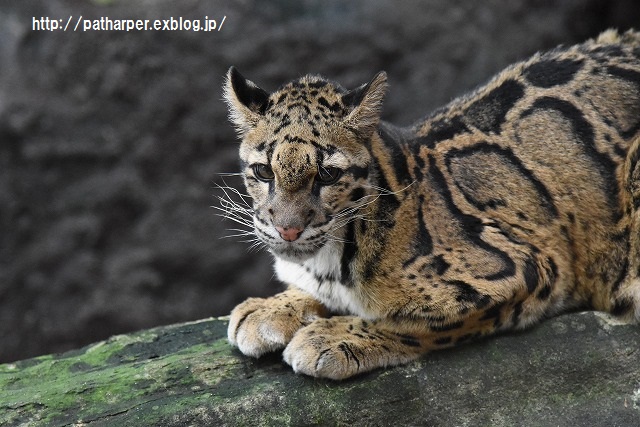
x,y
514,203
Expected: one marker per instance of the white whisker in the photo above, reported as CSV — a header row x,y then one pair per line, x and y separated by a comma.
x,y
235,206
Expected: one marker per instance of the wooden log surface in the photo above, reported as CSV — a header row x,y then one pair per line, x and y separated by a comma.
x,y
574,370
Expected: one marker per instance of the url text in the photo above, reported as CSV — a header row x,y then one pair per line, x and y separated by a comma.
x,y
105,23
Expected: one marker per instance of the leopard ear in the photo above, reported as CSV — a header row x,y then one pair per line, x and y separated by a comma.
x,y
366,102
246,101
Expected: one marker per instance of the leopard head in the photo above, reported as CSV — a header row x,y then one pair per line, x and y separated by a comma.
x,y
305,157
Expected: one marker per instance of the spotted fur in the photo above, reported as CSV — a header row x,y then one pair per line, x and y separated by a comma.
x,y
514,203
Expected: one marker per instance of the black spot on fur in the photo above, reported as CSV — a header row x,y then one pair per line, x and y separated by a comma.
x,y
281,98
318,84
515,314
531,276
586,137
467,293
441,130
422,242
554,269
393,139
544,293
419,169
388,204
509,160
440,265
622,306
632,77
447,326
470,225
607,52
443,341
335,107
358,172
552,72
410,342
489,113
417,172
621,275
357,194
493,313
286,121
322,278
348,254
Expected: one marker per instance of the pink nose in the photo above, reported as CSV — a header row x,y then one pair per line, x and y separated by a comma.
x,y
289,233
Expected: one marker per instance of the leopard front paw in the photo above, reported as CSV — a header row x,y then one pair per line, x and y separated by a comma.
x,y
343,346
325,349
263,325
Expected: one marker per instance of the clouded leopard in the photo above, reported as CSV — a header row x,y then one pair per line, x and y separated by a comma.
x,y
511,204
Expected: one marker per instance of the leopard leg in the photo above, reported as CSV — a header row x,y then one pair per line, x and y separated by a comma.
x,y
343,346
263,325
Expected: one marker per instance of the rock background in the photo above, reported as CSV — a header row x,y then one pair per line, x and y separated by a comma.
x,y
112,143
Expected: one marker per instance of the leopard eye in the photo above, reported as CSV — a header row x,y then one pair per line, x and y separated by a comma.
x,y
263,172
328,175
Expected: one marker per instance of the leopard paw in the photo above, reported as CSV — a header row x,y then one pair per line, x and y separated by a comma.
x,y
263,325
326,349
344,346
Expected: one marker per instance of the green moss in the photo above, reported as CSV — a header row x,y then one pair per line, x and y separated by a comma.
x,y
104,378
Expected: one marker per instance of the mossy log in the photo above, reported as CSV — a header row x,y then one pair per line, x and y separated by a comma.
x,y
573,370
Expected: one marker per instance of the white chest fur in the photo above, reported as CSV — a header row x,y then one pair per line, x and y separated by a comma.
x,y
320,277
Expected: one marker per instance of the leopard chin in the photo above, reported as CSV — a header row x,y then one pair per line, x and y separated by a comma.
x,y
293,254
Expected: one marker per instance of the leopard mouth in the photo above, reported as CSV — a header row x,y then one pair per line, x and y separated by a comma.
x,y
298,250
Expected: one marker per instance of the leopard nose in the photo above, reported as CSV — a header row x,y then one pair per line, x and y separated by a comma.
x,y
289,233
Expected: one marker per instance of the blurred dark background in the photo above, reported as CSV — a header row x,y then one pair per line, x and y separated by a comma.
x,y
112,143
